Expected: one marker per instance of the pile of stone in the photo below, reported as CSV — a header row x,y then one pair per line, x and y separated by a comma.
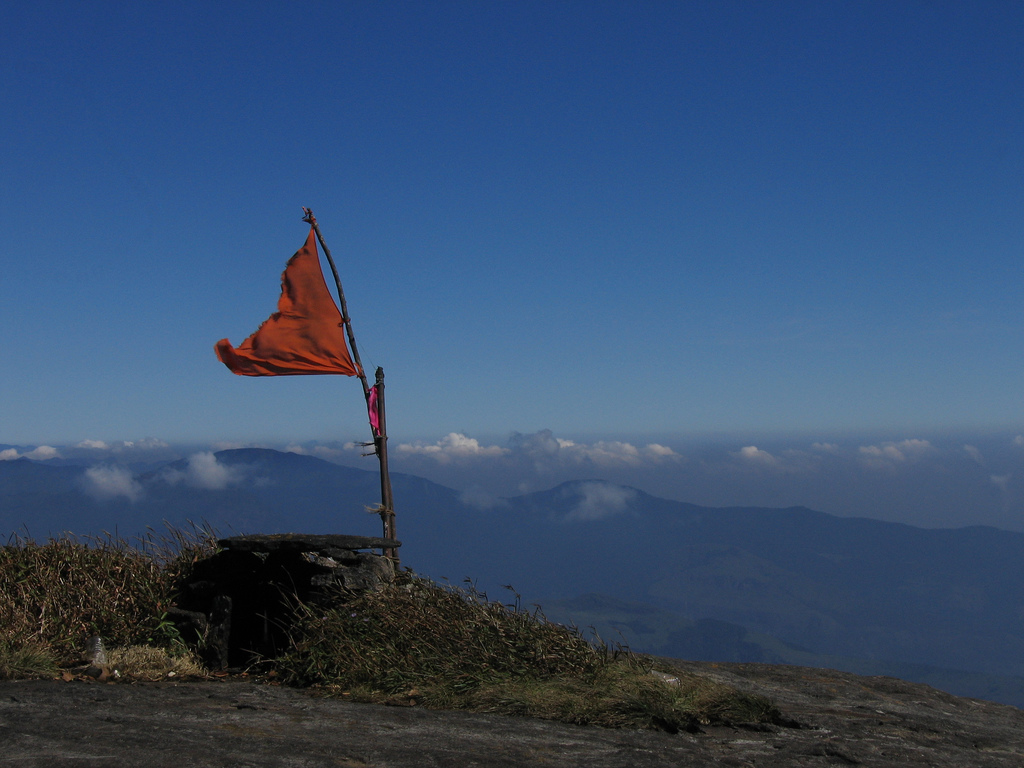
x,y
240,602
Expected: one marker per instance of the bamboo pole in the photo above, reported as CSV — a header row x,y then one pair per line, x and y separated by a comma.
x,y
380,440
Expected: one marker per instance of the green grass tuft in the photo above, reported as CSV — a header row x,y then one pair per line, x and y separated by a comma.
x,y
19,661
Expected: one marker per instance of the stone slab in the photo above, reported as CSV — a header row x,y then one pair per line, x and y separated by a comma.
x,y
323,544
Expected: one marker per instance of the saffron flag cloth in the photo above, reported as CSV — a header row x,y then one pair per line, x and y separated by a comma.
x,y
305,336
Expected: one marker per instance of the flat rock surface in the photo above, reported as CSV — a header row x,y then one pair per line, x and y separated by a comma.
x,y
837,719
304,542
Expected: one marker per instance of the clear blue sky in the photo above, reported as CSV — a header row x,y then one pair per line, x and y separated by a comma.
x,y
589,217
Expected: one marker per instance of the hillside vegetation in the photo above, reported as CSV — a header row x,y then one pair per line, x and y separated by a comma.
x,y
414,642
752,584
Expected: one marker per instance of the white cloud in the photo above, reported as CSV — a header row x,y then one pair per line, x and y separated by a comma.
x,y
328,453
203,470
95,445
606,453
124,451
601,500
43,453
755,461
1000,481
975,454
146,444
39,453
825,447
475,496
915,447
655,450
108,482
543,447
754,455
889,451
453,446
888,454
616,452
1018,440
542,442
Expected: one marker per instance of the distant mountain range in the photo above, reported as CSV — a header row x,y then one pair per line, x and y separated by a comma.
x,y
751,584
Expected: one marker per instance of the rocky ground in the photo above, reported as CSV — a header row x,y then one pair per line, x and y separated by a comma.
x,y
833,719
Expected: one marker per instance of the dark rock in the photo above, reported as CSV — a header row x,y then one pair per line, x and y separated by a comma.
x,y
240,602
326,544
835,719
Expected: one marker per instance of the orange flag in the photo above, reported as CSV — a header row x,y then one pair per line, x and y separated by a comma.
x,y
305,336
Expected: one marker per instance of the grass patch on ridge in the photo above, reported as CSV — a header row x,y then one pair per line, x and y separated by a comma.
x,y
412,642
55,596
419,642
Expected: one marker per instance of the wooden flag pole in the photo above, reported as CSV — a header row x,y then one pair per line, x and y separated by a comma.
x,y
309,218
380,441
380,438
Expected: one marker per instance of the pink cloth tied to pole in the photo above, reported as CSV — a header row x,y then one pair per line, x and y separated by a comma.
x,y
371,406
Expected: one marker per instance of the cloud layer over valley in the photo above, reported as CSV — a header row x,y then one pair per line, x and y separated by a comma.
x,y
946,480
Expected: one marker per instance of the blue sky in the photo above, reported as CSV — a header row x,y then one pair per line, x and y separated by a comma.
x,y
594,218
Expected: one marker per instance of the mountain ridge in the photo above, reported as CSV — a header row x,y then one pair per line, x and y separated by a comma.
x,y
841,588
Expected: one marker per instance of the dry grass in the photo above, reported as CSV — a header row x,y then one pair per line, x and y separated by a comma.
x,y
146,663
56,595
622,694
415,632
412,642
445,648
